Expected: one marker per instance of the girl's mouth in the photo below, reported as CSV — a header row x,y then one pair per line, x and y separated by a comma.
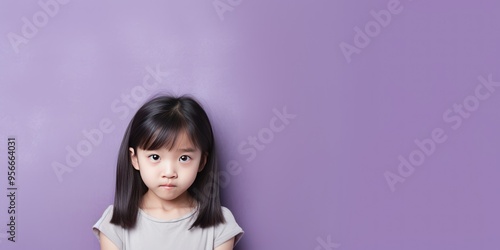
x,y
167,186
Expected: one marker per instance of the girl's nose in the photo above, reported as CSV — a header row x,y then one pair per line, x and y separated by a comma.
x,y
168,171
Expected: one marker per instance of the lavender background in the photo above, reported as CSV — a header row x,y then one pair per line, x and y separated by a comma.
x,y
318,183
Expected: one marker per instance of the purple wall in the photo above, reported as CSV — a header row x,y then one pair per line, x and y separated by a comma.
x,y
341,124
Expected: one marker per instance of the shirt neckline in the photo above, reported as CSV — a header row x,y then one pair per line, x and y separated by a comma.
x,y
149,217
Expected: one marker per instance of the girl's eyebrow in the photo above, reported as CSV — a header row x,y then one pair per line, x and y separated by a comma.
x,y
186,149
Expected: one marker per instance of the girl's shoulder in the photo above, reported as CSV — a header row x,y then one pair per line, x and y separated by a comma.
x,y
228,215
105,218
108,212
228,229
104,225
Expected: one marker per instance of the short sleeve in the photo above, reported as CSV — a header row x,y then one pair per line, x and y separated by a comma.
x,y
227,230
113,232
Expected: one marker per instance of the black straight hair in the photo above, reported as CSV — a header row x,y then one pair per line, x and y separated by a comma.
x,y
155,125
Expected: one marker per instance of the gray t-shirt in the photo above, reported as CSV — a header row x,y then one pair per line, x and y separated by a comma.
x,y
151,233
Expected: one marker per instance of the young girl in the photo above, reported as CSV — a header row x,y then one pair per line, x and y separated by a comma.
x,y
167,190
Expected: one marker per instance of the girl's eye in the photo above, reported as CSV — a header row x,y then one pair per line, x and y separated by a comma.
x,y
154,157
184,158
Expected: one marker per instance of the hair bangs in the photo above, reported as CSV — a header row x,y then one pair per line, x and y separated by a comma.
x,y
163,133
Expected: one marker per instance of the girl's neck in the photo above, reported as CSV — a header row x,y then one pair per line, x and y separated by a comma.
x,y
152,202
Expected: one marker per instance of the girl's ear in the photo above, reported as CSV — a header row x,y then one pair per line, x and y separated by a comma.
x,y
203,162
133,158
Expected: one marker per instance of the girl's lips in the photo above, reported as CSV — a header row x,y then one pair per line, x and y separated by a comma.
x,y
168,186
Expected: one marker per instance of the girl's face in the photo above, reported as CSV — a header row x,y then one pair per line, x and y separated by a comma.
x,y
169,173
